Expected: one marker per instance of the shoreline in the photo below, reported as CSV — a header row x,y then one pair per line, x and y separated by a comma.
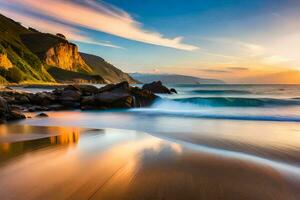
x,y
141,166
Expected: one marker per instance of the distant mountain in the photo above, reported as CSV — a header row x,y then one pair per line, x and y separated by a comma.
x,y
29,56
173,79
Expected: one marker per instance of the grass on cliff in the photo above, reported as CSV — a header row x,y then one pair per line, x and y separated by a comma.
x,y
27,66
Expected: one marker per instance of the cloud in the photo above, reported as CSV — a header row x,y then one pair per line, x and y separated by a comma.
x,y
53,27
102,17
238,68
214,70
275,59
250,48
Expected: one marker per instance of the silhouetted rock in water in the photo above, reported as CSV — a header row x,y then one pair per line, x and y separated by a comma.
x,y
42,115
156,87
172,90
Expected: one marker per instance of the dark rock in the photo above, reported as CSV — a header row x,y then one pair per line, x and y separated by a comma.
x,y
3,105
88,89
37,108
119,87
70,95
114,100
156,87
42,115
56,107
42,98
72,87
142,98
172,90
15,115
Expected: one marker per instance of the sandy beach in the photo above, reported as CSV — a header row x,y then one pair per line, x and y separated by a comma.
x,y
77,163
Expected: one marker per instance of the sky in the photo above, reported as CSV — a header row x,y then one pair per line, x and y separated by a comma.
x,y
239,41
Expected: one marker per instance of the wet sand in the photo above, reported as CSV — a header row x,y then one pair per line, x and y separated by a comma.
x,y
77,163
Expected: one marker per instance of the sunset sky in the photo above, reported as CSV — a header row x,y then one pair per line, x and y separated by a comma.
x,y
239,41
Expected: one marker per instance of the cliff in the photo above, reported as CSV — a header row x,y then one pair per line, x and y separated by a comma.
x,y
56,51
4,61
19,64
29,56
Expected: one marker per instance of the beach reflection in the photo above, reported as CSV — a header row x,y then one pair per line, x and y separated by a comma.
x,y
118,164
16,140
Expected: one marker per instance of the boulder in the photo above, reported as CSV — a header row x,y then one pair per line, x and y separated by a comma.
x,y
42,115
114,100
4,109
42,98
3,105
70,95
122,87
156,87
142,98
172,90
37,108
15,115
88,89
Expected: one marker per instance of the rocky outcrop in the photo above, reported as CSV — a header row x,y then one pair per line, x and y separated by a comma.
x,y
7,113
5,62
65,56
158,87
85,97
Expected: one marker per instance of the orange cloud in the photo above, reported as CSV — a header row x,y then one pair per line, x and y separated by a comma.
x,y
100,17
52,27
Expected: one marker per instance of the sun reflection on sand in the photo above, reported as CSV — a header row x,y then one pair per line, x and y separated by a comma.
x,y
66,136
15,140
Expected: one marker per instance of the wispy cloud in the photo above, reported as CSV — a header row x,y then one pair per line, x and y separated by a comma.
x,y
252,48
214,70
102,17
238,68
53,27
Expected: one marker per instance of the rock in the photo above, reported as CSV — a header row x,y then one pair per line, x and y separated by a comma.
x,y
84,89
72,87
114,100
42,115
56,107
143,98
70,95
172,90
37,108
119,87
4,109
156,87
3,105
15,115
42,98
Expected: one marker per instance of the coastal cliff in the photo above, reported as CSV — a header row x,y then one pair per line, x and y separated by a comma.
x,y
66,56
30,56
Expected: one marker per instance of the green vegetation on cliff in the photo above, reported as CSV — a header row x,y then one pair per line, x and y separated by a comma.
x,y
27,67
29,56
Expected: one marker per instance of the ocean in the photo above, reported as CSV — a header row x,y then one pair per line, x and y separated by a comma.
x,y
247,132
242,115
227,141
